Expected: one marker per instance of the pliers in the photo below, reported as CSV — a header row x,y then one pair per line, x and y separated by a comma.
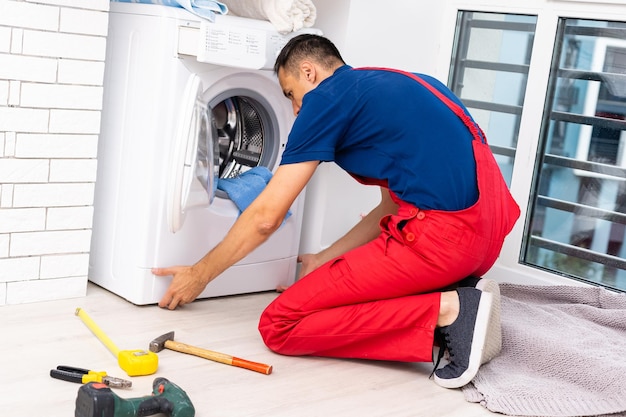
x,y
83,376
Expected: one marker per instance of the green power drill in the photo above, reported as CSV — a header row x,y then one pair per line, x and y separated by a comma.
x,y
97,400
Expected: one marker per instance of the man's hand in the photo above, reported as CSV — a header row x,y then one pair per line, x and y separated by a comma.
x,y
184,288
253,227
310,262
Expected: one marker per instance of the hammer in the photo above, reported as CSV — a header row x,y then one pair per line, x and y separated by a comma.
x,y
166,341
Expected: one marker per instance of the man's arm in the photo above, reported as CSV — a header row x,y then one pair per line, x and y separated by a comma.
x,y
364,231
253,227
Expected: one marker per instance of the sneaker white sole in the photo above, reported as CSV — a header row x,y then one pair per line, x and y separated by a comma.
x,y
479,337
493,344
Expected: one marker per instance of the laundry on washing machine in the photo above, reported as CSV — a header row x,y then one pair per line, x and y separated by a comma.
x,y
286,15
206,9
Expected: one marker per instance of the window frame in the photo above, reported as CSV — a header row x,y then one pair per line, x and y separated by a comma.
x,y
508,267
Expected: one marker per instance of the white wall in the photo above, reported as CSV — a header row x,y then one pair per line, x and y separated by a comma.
x,y
51,72
402,34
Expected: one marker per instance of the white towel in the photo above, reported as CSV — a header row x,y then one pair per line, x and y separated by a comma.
x,y
286,15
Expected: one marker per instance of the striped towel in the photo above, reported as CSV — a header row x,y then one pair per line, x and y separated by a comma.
x,y
206,9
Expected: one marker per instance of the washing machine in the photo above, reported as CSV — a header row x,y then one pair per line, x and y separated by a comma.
x,y
186,103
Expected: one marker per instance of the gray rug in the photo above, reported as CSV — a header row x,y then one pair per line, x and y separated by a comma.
x,y
563,354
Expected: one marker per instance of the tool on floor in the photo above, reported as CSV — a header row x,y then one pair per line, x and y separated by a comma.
x,y
167,341
83,376
97,400
133,362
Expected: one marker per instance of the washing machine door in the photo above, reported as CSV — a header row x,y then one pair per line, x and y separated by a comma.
x,y
193,175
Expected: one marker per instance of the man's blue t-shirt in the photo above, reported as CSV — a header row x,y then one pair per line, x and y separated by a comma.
x,y
385,126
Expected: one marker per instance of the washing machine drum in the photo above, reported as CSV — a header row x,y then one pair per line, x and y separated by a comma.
x,y
240,135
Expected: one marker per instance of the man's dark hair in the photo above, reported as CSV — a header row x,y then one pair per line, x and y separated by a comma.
x,y
307,46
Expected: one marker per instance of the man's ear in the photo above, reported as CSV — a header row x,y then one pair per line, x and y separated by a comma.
x,y
308,71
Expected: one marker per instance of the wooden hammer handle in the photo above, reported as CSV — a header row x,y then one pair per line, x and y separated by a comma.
x,y
218,357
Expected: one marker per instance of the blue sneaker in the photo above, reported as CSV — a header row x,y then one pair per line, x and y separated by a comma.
x,y
464,339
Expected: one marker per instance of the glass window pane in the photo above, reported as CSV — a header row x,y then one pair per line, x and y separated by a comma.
x,y
489,72
577,218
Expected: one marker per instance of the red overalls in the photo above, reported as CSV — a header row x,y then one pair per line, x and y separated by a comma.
x,y
377,301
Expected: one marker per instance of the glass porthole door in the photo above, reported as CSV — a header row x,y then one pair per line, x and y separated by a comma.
x,y
192,178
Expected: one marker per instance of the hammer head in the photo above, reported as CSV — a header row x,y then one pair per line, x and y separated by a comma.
x,y
158,344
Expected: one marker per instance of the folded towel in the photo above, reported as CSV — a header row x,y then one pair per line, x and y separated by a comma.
x,y
286,15
243,189
206,9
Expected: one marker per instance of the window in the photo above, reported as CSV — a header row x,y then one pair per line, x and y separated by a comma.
x,y
576,222
489,71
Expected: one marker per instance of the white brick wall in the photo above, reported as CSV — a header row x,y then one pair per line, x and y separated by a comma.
x,y
51,71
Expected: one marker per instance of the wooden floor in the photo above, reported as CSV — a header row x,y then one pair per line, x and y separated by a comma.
x,y
38,337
